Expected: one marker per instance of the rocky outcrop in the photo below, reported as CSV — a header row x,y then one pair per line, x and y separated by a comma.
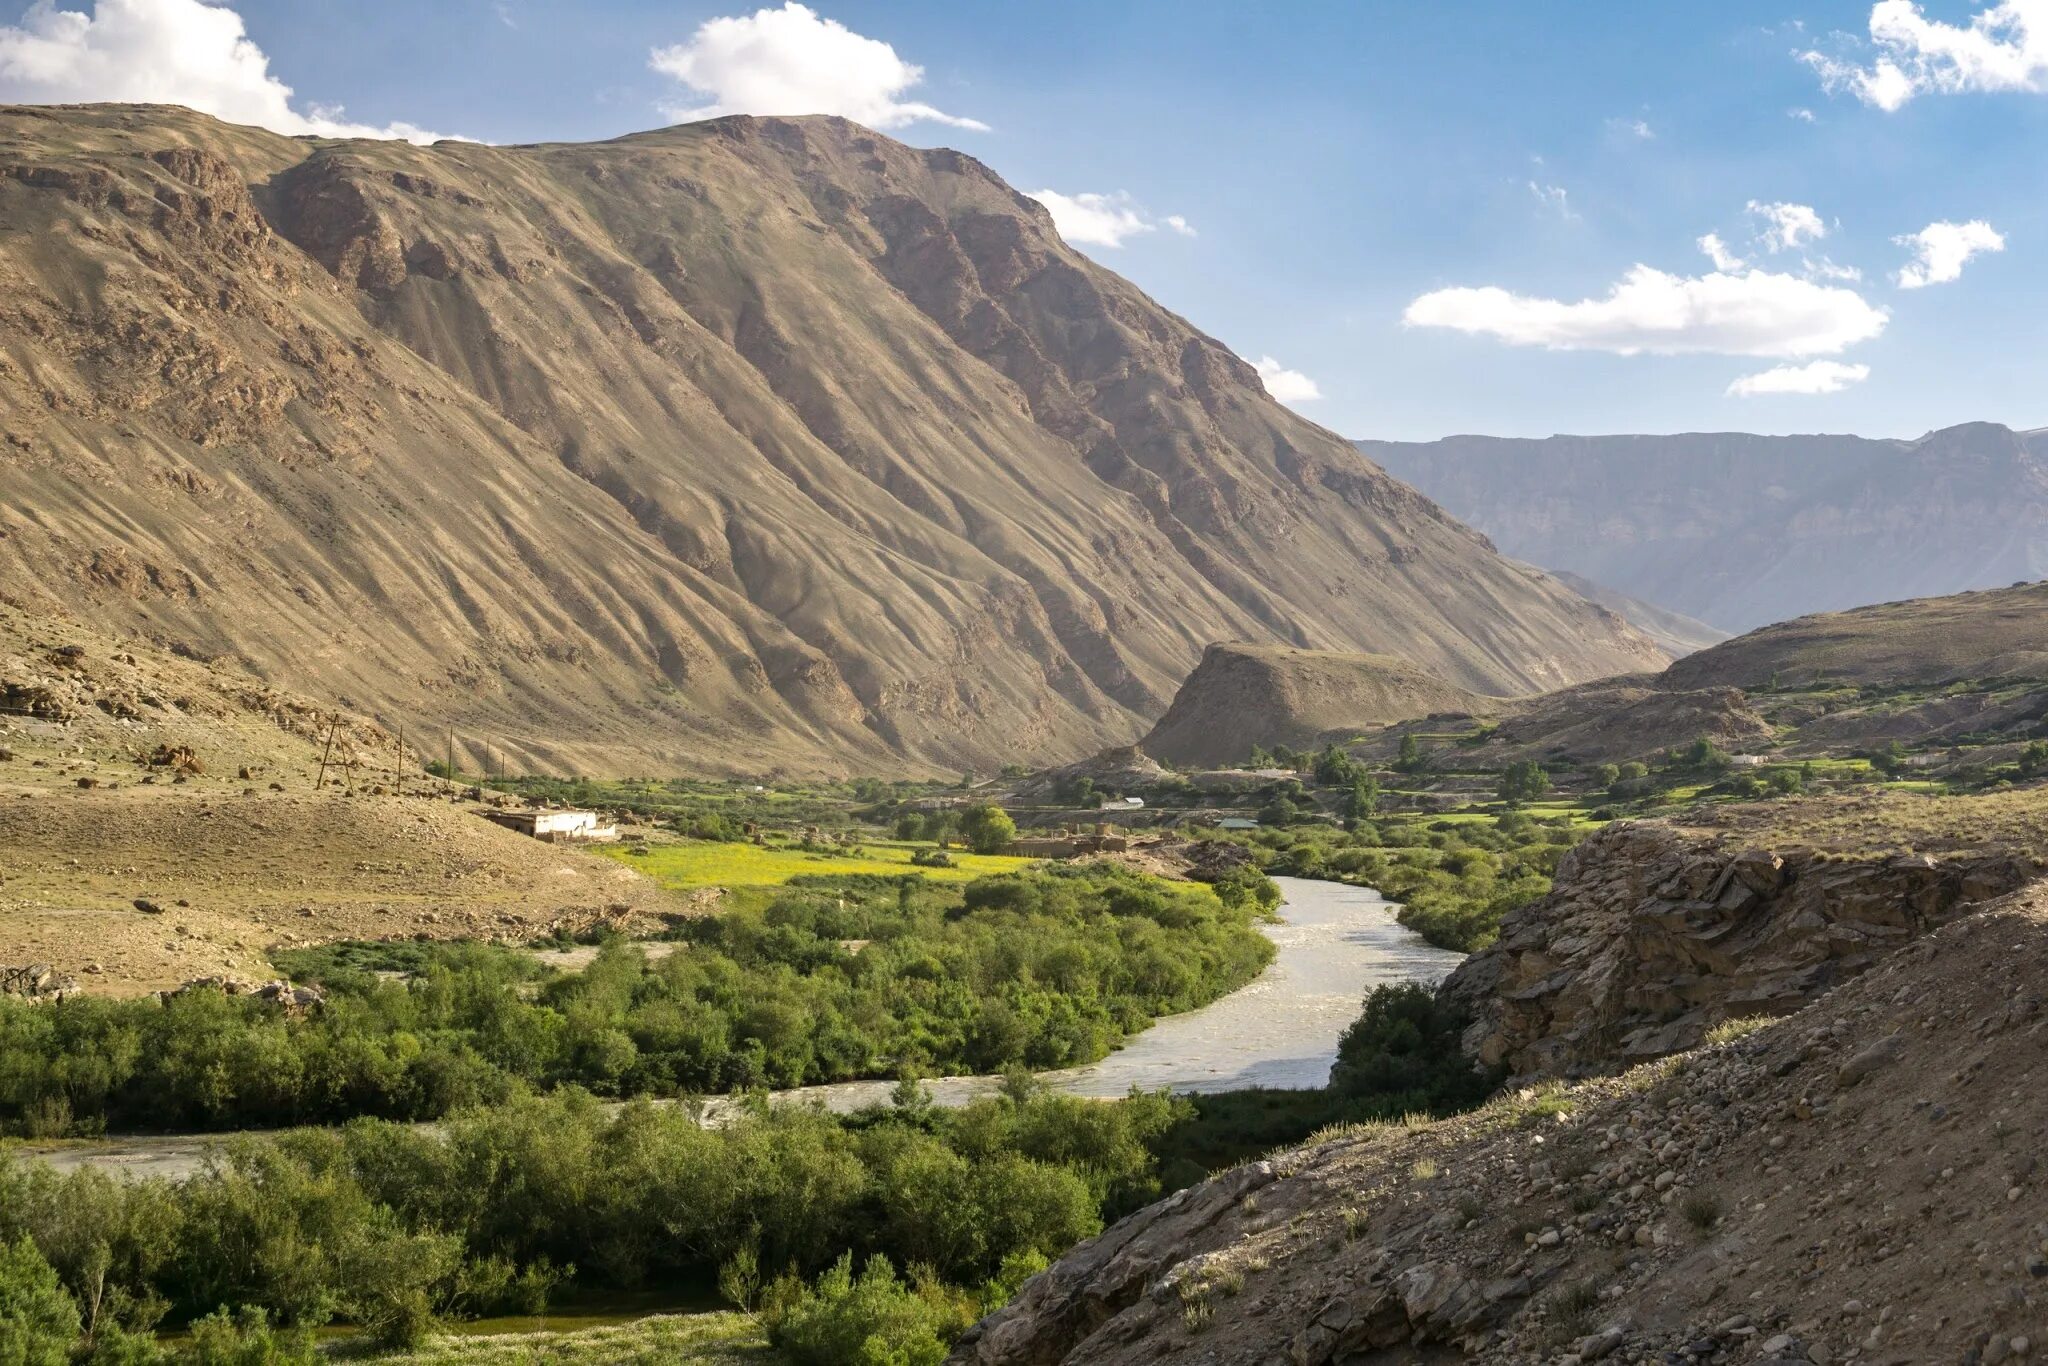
x,y
36,982
1653,935
1243,695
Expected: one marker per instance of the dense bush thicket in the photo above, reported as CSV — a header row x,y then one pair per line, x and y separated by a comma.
x,y
1400,1058
1455,879
390,1227
855,977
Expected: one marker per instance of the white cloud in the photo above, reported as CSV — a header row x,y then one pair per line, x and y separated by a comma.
x,y
1787,225
1553,197
1817,377
1286,386
1802,114
2003,47
1635,128
793,61
1104,220
162,52
1826,269
1717,251
1940,251
1760,313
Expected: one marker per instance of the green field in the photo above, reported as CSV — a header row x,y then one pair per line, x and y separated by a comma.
x,y
711,1339
683,864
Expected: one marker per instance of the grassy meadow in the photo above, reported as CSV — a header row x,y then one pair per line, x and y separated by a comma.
x,y
686,864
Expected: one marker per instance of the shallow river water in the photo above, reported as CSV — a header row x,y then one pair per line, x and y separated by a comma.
x,y
1333,944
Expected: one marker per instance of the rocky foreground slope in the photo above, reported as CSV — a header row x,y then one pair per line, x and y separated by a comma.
x,y
743,444
1859,1181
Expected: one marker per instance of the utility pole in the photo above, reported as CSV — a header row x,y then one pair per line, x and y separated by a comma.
x,y
321,781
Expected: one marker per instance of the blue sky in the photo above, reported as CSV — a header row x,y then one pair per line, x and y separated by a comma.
x,y
1404,203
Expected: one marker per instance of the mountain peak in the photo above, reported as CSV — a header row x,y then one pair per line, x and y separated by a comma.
x,y
750,444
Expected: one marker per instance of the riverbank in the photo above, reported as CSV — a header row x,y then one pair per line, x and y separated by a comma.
x,y
1333,944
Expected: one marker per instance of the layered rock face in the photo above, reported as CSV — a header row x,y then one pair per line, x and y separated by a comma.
x,y
1653,935
744,445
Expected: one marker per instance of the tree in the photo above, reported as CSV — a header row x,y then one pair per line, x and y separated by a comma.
x,y
2034,759
1524,781
1362,800
1890,760
38,1321
987,828
1078,790
1279,812
1411,755
1704,755
1335,768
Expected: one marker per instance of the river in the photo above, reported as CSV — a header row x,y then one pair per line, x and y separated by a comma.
x,y
1332,944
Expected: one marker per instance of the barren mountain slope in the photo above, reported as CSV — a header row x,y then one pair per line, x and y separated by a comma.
x,y
740,444
1741,530
1859,1181
1244,695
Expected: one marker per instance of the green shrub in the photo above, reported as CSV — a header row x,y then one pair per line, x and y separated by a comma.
x,y
873,1319
246,1338
1403,1052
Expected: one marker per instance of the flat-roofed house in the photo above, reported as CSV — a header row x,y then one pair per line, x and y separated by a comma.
x,y
557,826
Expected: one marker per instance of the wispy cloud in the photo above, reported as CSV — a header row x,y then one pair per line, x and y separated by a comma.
x,y
1758,313
1104,220
1786,225
1816,377
1553,198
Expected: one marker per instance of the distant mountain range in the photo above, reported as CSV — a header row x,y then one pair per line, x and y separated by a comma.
x,y
1739,531
743,445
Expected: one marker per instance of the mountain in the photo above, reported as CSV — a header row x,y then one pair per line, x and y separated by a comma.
x,y
1962,680
1740,530
1674,633
742,445
1242,695
1995,634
